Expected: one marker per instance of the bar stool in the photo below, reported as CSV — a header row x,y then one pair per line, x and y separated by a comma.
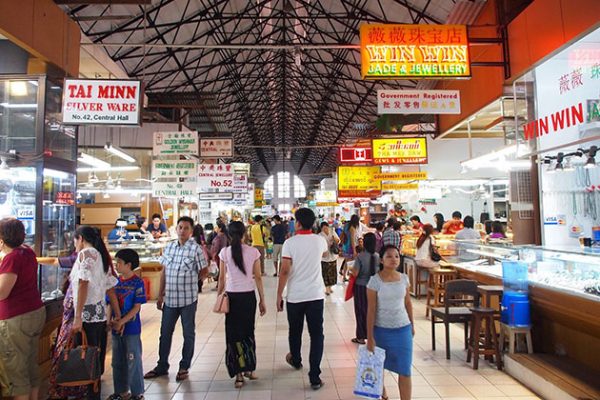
x,y
489,291
489,345
436,287
512,332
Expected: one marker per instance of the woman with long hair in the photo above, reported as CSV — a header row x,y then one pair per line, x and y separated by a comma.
x,y
424,245
365,266
390,323
92,278
329,259
240,274
350,233
438,220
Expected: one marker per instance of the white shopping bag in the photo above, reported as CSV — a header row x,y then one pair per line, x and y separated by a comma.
x,y
369,373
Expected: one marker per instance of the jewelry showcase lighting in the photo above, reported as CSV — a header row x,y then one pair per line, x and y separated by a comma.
x,y
118,152
92,161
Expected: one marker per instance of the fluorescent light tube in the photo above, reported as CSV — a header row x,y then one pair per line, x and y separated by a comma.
x,y
123,168
92,161
118,152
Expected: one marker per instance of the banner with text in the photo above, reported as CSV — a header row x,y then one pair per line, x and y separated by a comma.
x,y
215,177
101,102
410,150
172,178
400,186
240,183
418,102
358,181
218,147
175,143
401,176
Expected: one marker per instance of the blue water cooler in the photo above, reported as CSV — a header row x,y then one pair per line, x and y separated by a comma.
x,y
515,299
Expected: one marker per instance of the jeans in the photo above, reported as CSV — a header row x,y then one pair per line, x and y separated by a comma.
x,y
313,310
127,364
167,327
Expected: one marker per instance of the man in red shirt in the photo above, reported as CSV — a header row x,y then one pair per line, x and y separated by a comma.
x,y
453,226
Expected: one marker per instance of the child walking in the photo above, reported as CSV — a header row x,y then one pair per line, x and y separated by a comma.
x,y
126,343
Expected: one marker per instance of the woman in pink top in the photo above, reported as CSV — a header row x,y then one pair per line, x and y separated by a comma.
x,y
240,274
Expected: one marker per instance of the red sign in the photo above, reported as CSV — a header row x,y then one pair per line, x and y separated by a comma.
x,y
64,198
565,118
356,155
344,195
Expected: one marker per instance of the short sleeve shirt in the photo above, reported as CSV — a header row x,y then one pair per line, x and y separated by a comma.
x,y
129,293
24,296
391,310
258,233
363,267
89,267
305,282
236,280
182,265
278,232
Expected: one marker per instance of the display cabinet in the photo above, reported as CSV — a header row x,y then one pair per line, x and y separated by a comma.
x,y
148,250
444,243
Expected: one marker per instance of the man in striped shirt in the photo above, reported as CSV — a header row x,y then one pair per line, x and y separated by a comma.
x,y
392,234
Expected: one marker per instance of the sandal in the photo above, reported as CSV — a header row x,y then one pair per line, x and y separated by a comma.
x,y
154,374
182,375
358,341
288,359
239,382
250,375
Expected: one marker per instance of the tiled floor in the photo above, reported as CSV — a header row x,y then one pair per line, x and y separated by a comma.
x,y
434,377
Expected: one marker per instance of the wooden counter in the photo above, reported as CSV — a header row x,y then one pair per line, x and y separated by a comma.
x,y
563,324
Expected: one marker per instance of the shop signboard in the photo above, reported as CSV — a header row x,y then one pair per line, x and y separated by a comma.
x,y
215,177
174,188
325,196
409,150
215,196
418,102
356,155
174,178
259,198
401,176
358,181
240,182
175,143
400,186
101,102
391,51
218,147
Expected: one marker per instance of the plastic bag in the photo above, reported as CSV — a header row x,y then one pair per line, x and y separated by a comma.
x,y
369,373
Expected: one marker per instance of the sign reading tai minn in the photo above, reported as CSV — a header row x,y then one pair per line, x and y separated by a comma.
x,y
414,51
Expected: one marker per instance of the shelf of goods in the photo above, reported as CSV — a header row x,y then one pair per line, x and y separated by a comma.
x,y
564,293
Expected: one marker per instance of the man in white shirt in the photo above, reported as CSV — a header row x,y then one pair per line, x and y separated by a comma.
x,y
466,235
301,272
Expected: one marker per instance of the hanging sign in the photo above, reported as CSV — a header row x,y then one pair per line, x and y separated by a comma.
x,y
173,178
417,51
240,183
400,151
400,186
418,102
175,143
218,147
215,177
401,176
356,155
259,199
215,196
325,196
358,181
101,102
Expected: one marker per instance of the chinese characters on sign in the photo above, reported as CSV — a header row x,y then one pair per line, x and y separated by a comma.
x,y
215,177
171,178
64,198
400,51
418,102
101,102
358,182
175,143
400,151
216,147
356,155
240,183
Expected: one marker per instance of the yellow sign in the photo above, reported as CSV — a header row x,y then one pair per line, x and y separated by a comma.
x,y
358,181
411,150
401,51
327,204
401,176
259,198
400,186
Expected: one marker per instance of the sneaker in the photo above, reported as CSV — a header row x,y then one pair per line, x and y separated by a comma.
x,y
138,397
318,385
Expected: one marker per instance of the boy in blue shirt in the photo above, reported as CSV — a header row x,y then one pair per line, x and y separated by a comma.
x,y
126,343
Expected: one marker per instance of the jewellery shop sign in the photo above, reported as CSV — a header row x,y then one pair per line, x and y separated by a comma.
x,y
175,143
101,102
215,178
173,178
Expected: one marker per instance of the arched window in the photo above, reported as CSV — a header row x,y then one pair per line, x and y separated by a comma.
x,y
283,186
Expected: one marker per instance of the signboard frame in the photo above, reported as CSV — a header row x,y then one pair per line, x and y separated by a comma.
x,y
85,121
344,154
437,102
156,150
364,193
216,155
400,160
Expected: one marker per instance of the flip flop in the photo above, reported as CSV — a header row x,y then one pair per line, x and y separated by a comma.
x,y
250,375
182,375
357,341
239,382
154,374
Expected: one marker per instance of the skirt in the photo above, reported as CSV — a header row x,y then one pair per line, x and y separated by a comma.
x,y
328,268
398,346
240,353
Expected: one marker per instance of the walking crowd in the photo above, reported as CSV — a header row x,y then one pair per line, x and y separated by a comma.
x,y
103,297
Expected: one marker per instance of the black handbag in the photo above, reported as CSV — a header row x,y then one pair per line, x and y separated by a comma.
x,y
79,366
240,357
435,256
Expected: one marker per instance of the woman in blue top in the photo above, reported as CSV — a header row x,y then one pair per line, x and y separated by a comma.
x,y
390,319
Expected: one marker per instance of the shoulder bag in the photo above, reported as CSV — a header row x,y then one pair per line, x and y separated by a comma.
x,y
79,366
435,256
222,304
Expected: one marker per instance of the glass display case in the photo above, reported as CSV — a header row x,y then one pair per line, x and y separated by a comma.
x,y
148,250
51,281
444,243
571,270
17,198
58,213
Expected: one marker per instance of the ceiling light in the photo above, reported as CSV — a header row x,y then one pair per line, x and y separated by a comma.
x,y
559,167
591,161
118,152
550,169
18,88
568,166
110,168
92,179
92,161
3,164
8,105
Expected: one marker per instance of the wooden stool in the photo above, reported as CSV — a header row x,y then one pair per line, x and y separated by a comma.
x,y
487,292
490,339
512,332
436,287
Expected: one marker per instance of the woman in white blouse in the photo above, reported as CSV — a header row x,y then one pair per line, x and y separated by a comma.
x,y
91,280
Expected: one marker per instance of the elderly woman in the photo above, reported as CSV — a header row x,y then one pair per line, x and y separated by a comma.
x,y
22,314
